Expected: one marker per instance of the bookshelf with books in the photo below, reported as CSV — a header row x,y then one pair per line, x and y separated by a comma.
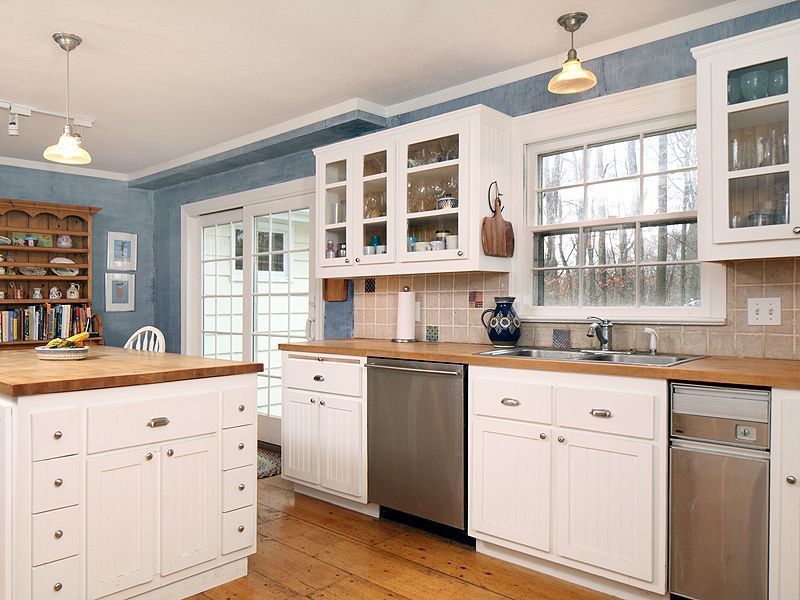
x,y
45,250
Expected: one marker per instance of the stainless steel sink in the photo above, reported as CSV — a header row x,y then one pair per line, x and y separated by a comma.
x,y
623,358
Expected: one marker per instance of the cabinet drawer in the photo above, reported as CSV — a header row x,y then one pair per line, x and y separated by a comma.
x,y
238,529
340,376
238,488
114,426
57,581
56,535
518,400
238,407
56,483
55,433
238,447
606,410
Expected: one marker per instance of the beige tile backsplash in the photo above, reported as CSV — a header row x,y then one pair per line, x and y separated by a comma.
x,y
446,302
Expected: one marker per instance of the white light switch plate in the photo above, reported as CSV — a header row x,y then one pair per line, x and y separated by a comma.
x,y
763,311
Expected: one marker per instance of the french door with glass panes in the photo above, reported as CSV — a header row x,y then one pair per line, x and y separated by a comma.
x,y
264,281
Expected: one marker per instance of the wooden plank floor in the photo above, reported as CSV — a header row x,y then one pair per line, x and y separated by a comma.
x,y
312,549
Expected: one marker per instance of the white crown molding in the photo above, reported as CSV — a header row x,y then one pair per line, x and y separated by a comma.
x,y
66,169
744,41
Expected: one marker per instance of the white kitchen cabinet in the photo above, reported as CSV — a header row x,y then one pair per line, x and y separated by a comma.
x,y
511,473
784,560
299,438
376,192
340,444
605,502
190,499
748,89
121,507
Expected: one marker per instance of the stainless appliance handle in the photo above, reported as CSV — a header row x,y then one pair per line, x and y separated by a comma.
x,y
721,450
410,370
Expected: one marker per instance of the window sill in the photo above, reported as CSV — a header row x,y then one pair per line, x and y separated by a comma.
x,y
712,321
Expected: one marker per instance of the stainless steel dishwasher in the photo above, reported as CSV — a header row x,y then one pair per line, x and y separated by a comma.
x,y
416,440
719,492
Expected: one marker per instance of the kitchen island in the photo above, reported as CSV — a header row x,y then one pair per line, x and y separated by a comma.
x,y
125,474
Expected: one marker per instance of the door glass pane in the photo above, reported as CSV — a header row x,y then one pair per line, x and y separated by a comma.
x,y
758,81
759,201
758,137
432,205
433,151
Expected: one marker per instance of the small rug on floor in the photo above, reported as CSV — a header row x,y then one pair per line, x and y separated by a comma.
x,y
269,463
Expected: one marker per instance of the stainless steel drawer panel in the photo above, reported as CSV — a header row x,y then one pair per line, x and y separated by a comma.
x,y
726,431
728,403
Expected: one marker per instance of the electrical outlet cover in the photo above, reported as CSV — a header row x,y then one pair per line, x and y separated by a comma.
x,y
763,311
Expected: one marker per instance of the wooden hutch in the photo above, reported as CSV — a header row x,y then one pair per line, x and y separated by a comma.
x,y
42,223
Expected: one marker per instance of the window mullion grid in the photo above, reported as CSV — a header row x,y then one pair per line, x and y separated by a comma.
x,y
581,262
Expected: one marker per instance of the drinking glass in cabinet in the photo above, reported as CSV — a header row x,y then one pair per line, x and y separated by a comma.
x,y
758,201
433,151
375,163
426,188
336,206
758,81
758,137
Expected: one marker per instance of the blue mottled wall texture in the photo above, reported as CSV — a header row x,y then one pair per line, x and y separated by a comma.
x,y
159,211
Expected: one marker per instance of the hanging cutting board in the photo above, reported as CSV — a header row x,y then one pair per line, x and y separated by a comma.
x,y
334,290
497,234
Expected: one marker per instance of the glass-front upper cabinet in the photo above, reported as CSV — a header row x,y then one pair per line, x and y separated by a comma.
x,y
374,215
431,191
334,181
747,135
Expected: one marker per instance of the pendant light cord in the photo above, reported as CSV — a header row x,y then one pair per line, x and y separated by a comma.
x,y
68,121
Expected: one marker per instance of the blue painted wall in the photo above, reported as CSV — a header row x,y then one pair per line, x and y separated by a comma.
x,y
339,317
123,209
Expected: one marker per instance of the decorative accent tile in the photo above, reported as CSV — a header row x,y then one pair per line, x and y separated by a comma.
x,y
562,338
431,333
475,299
369,285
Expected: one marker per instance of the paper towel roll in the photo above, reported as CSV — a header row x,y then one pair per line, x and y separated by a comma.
x,y
406,316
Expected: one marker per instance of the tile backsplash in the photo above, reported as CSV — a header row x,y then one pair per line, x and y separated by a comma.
x,y
451,307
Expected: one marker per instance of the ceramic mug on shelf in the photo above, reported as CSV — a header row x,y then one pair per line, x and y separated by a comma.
x,y
422,247
437,245
380,249
451,242
368,250
64,241
55,293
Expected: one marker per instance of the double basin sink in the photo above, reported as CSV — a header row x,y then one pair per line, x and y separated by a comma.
x,y
622,358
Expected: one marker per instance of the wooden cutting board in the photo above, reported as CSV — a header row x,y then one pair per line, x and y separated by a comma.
x,y
497,234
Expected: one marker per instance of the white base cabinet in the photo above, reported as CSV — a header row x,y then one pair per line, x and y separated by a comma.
x,y
136,514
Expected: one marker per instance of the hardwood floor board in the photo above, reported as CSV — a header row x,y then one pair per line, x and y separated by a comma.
x,y
252,587
458,560
265,513
354,588
294,570
275,497
276,481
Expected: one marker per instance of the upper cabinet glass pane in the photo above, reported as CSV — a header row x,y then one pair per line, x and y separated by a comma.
x,y
670,151
758,81
375,163
561,169
613,160
433,151
336,172
758,137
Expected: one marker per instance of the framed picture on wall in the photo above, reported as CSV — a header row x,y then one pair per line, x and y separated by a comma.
x,y
121,251
120,292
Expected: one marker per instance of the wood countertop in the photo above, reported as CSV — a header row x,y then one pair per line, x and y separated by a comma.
x,y
23,374
713,369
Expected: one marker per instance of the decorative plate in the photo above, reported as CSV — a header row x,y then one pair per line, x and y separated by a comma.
x,y
43,353
64,271
33,271
5,241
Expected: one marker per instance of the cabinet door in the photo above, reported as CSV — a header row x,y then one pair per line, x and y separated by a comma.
x,y
190,491
605,502
121,520
510,495
299,433
334,208
374,205
341,465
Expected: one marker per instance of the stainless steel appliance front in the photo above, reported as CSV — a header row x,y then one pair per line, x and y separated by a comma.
x,y
416,441
719,493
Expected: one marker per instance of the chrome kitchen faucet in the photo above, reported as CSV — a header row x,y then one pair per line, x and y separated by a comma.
x,y
601,329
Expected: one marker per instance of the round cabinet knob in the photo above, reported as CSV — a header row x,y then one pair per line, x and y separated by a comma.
x,y
241,445
58,482
240,529
358,260
322,402
241,487
170,452
460,253
796,230
347,260
241,408
57,587
58,534
313,401
148,456
791,480
58,435
561,439
543,436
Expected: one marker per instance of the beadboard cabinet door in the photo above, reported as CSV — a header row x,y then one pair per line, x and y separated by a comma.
x,y
121,496
511,472
190,498
340,444
300,430
605,502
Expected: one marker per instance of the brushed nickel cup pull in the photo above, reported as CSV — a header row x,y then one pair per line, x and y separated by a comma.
x,y
241,445
58,482
158,422
241,408
57,587
240,529
319,378
58,534
241,487
796,230
602,413
543,436
791,480
148,456
170,452
58,435
510,402
561,439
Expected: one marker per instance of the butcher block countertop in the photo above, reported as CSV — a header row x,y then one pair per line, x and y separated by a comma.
x,y
713,369
23,374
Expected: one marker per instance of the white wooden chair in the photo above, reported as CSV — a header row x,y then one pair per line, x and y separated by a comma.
x,y
147,339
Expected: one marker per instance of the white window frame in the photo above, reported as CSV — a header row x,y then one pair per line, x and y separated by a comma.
x,y
659,107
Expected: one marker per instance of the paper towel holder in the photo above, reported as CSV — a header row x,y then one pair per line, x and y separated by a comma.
x,y
404,340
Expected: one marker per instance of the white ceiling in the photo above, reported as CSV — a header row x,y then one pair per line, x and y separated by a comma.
x,y
166,79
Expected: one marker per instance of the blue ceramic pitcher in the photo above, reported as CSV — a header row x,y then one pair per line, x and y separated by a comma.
x,y
504,324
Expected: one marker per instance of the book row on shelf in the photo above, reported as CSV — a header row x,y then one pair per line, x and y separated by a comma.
x,y
44,322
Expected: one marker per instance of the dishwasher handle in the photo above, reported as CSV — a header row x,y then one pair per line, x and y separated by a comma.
x,y
411,370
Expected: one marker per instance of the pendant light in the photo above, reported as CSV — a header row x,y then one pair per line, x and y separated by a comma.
x,y
573,78
68,150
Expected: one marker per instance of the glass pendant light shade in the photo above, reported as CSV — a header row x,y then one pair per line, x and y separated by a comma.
x,y
67,151
572,78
